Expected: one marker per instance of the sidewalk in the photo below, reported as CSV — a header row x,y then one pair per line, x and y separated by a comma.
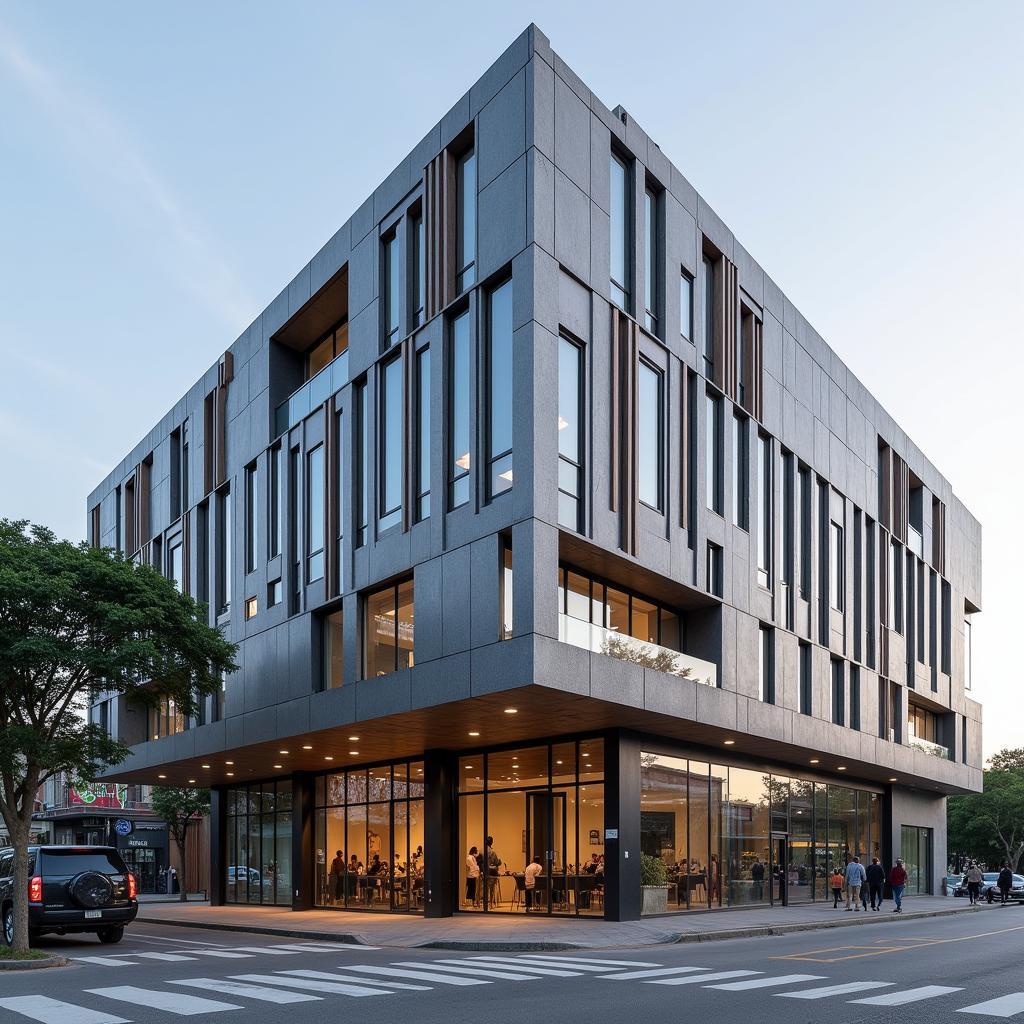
x,y
518,932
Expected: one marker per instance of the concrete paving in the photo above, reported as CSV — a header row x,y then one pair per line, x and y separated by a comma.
x,y
516,931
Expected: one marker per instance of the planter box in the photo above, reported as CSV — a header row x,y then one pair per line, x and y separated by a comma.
x,y
653,899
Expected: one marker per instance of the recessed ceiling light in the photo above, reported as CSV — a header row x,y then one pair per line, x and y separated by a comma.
x,y
468,766
814,760
278,765
894,779
229,762
841,768
585,755
161,776
353,753
191,781
729,743
282,751
229,774
353,739
558,762
511,711
474,734
205,766
328,757
307,746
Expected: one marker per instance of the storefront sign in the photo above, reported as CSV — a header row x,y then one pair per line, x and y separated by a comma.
x,y
611,833
123,827
98,794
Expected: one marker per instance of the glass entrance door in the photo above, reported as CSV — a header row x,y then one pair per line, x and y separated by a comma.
x,y
780,869
545,840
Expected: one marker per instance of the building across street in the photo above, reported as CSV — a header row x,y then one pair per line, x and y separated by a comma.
x,y
554,538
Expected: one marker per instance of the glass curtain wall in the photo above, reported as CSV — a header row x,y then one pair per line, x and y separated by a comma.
x,y
916,847
259,844
541,806
732,836
369,838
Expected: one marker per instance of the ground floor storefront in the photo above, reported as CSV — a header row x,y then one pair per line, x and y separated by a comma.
x,y
557,827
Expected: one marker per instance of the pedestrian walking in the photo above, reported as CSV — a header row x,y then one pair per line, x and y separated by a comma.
x,y
837,887
876,880
974,878
855,879
1005,883
898,882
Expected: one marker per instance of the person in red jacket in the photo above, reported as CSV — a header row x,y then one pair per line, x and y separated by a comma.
x,y
898,881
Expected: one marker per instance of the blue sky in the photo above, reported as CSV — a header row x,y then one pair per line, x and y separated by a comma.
x,y
165,170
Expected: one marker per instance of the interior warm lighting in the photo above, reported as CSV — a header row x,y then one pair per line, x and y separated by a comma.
x,y
894,779
841,768
278,765
161,776
558,762
511,711
468,766
307,746
814,760
282,751
230,775
328,757
730,743
584,755
474,734
353,739
353,753
229,762
191,782
205,766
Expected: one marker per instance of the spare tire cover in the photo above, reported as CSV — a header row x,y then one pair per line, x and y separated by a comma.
x,y
91,889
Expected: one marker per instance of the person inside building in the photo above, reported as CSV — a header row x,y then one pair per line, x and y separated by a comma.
x,y
335,877
533,869
473,877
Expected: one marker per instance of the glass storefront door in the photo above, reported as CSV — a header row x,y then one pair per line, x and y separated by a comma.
x,y
259,844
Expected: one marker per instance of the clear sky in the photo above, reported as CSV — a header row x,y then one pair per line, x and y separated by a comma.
x,y
166,169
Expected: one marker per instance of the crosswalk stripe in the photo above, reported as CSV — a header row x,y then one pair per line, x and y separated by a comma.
x,y
522,965
480,972
588,960
1004,1006
910,995
56,1011
104,961
268,950
225,954
337,987
699,979
329,976
172,1002
239,988
315,947
389,972
834,990
175,957
654,972
785,979
575,965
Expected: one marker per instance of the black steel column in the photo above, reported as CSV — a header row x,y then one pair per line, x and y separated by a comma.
x,y
622,816
303,825
218,845
439,813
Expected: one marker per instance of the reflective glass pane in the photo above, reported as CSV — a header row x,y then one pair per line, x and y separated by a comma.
x,y
406,629
380,633
392,444
649,435
512,768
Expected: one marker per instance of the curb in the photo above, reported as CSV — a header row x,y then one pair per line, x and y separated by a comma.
x,y
34,965
289,933
499,946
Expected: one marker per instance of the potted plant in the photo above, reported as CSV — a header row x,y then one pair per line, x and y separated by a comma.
x,y
653,885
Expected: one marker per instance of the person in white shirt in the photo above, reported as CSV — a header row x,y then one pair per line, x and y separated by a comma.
x,y
533,869
472,878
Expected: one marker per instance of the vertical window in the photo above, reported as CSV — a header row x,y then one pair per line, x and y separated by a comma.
x,y
804,510
176,568
339,503
786,519
837,565
854,697
895,587
458,404
709,318
224,531
651,261
968,655
838,693
713,454
499,388
714,569
419,269
276,502
619,210
251,518
465,228
806,685
177,498
764,510
334,650
506,590
388,641
740,473
362,461
570,453
650,435
685,305
392,290
295,525
392,443
766,665
423,434
315,514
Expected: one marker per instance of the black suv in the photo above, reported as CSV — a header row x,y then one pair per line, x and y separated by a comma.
x,y
71,889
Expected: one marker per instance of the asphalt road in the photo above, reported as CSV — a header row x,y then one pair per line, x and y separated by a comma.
x,y
960,968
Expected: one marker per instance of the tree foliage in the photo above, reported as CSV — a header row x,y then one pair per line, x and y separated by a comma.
x,y
180,807
989,826
77,622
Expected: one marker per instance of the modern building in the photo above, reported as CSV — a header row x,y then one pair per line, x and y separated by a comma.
x,y
541,513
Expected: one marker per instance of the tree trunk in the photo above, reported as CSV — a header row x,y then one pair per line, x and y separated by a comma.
x,y
183,895
20,830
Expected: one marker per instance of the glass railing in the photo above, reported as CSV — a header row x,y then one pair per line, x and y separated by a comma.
x,y
935,749
639,652
333,377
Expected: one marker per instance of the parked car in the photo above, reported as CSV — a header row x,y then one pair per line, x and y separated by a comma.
x,y
989,878
238,875
71,889
991,893
953,882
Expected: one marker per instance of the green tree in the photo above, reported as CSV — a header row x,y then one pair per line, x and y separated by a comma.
x,y
76,622
180,806
989,826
